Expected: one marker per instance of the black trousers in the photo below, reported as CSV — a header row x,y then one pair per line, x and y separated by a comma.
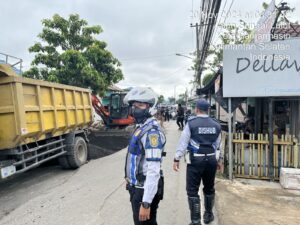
x,y
201,168
167,117
180,121
136,197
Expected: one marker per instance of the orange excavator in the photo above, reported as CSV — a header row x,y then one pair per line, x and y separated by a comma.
x,y
112,137
116,113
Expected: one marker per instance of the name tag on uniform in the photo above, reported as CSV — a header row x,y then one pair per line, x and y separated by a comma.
x,y
207,130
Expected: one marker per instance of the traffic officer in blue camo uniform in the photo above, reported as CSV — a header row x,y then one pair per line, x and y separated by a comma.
x,y
143,161
201,138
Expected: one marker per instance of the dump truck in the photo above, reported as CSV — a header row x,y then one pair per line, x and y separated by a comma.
x,y
40,121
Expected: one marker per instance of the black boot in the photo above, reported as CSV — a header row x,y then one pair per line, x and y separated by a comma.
x,y
209,201
194,203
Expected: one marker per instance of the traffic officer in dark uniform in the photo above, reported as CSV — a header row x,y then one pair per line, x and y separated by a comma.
x,y
201,138
143,172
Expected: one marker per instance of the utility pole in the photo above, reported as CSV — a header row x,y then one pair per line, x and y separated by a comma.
x,y
197,49
186,97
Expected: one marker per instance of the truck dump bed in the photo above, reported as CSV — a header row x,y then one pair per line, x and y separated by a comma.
x,y
33,110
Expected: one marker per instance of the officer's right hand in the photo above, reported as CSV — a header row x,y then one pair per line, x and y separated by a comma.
x,y
176,166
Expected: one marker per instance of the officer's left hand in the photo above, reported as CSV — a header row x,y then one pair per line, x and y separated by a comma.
x,y
220,166
144,214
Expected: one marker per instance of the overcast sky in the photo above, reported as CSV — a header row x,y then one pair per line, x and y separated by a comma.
x,y
143,34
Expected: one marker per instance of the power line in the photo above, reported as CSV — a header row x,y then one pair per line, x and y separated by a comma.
x,y
150,57
224,21
207,25
219,20
170,74
228,11
192,20
174,72
147,57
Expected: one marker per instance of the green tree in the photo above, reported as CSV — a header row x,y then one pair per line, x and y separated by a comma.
x,y
182,98
234,34
171,100
207,78
161,99
69,53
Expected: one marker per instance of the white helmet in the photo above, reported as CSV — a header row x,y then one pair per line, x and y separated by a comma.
x,y
142,94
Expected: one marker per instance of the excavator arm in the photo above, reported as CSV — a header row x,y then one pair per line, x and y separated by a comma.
x,y
106,115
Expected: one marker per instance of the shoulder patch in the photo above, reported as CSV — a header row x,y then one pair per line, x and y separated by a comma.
x,y
153,140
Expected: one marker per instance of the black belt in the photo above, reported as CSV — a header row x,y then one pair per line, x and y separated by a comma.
x,y
131,186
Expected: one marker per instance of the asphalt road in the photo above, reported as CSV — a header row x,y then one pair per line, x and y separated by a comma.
x,y
94,194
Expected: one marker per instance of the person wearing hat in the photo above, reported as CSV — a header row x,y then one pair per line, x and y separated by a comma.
x,y
201,139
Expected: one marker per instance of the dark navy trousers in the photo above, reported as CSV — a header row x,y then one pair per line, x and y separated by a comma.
x,y
136,197
202,168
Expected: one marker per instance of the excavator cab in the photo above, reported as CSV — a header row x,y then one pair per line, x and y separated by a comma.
x,y
117,109
115,113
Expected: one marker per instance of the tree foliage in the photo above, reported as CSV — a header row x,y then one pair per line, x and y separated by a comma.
x,y
161,99
234,34
207,78
238,33
182,99
69,53
171,100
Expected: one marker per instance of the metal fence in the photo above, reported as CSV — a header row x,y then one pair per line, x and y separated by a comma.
x,y
15,62
251,155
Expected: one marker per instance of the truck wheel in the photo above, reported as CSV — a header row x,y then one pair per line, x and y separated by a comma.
x,y
63,162
78,154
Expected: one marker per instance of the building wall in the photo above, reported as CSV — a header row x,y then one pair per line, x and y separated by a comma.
x,y
224,114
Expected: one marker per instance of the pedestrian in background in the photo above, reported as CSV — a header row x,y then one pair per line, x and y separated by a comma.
x,y
167,114
201,138
180,117
161,116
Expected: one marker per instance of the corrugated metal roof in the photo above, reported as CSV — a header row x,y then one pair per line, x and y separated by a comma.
x,y
114,88
292,30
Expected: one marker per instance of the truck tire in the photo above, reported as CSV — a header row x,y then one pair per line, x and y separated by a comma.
x,y
63,162
78,153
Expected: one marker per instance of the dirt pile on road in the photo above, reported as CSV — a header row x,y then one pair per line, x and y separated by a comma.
x,y
106,142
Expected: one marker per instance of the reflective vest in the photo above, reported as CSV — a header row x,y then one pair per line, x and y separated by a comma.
x,y
204,134
136,154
